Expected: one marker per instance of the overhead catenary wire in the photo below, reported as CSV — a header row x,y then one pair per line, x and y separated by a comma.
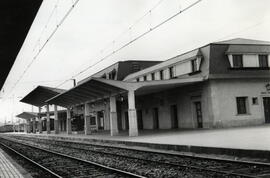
x,y
134,39
45,43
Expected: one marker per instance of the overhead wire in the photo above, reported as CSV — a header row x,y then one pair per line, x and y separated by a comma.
x,y
46,42
134,39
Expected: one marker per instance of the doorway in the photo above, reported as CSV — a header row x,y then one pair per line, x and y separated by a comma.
x,y
155,118
126,121
100,120
198,112
140,120
266,105
174,117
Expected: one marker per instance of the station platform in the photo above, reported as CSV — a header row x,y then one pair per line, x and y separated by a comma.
x,y
7,168
242,141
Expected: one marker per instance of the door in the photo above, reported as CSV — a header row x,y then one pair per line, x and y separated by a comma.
x,y
198,112
140,120
155,118
126,121
266,105
174,116
100,120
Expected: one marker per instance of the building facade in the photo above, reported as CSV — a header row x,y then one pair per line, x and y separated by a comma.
x,y
223,84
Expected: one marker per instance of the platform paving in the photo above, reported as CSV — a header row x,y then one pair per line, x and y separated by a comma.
x,y
7,169
248,138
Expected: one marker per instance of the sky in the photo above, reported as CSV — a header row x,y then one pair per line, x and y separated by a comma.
x,y
96,28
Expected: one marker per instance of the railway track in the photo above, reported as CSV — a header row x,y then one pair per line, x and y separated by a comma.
x,y
62,165
222,168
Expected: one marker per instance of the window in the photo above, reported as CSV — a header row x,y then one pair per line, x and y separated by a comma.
x,y
103,76
263,61
112,75
241,105
194,67
161,75
144,78
255,101
137,79
153,76
135,67
171,72
92,120
238,60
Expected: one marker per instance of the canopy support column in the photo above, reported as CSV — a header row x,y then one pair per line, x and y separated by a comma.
x,y
48,119
56,125
132,114
87,128
34,125
39,120
68,121
113,116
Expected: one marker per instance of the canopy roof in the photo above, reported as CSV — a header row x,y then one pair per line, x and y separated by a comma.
x,y
16,18
27,115
90,90
40,94
99,88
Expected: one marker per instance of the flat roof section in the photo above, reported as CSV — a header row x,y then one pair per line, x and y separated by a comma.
x,y
27,115
92,89
16,17
40,94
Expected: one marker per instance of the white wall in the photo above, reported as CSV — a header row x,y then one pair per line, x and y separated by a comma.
x,y
223,95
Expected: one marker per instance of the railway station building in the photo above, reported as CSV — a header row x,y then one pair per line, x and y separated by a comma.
x,y
222,84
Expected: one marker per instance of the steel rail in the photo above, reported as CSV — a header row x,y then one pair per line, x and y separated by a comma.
x,y
31,161
129,174
230,172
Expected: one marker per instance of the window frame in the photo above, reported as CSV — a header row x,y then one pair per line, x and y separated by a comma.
x,y
242,106
144,78
194,65
261,63
153,76
171,72
161,74
236,63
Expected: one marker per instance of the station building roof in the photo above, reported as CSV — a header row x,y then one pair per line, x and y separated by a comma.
x,y
16,18
40,94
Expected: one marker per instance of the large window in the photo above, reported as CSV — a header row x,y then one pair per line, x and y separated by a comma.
x,y
161,75
242,105
153,76
263,61
194,66
112,75
237,60
171,72
144,78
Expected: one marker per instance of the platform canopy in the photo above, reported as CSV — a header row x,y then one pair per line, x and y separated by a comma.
x,y
40,94
27,115
90,90
16,17
99,88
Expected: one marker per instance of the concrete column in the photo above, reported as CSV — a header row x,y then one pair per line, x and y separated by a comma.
x,y
87,129
113,116
39,120
48,119
28,125
132,114
25,127
68,122
34,125
56,125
